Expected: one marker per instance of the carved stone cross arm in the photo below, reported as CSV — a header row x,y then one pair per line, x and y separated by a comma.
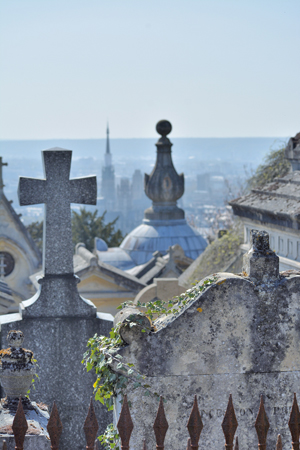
x,y
57,191
31,191
83,190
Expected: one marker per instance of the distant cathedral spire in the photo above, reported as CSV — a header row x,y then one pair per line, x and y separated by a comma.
x,y
108,176
108,161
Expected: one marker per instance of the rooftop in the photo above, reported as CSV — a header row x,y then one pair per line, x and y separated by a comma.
x,y
277,202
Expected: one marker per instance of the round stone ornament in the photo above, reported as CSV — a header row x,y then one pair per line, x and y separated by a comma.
x,y
164,127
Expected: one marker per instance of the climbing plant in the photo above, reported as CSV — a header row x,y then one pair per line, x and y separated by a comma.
x,y
114,375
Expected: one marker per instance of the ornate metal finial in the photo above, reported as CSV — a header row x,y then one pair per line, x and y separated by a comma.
x,y
17,366
160,426
164,186
195,425
262,425
229,424
54,427
125,425
90,427
19,426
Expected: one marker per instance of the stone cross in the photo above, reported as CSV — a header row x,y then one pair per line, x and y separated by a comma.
x,y
57,321
1,177
57,191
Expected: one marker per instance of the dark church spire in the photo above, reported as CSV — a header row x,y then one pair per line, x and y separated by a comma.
x,y
107,139
164,186
108,176
108,160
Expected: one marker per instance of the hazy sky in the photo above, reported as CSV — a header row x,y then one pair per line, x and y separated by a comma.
x,y
214,68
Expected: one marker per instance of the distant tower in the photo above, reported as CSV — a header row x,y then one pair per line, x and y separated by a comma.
x,y
164,224
108,177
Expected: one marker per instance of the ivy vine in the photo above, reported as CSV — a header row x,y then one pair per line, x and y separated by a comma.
x,y
114,375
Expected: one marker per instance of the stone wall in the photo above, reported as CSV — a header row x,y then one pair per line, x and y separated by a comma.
x,y
241,335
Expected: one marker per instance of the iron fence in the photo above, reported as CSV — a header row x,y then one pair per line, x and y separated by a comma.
x,y
194,426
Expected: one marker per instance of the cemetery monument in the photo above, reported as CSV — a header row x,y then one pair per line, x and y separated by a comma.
x,y
240,335
58,322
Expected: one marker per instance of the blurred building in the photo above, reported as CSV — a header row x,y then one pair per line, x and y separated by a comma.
x,y
137,186
19,255
274,208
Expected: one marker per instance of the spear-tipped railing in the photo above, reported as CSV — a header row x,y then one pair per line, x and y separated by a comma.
x,y
194,426
19,426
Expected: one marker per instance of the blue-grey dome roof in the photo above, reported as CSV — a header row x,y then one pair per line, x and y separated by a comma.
x,y
116,257
152,235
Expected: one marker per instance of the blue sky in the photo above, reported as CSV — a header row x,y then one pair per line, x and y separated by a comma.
x,y
214,68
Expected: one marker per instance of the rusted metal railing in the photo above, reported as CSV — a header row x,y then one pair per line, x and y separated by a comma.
x,y
125,425
19,426
90,427
229,425
262,426
54,427
194,426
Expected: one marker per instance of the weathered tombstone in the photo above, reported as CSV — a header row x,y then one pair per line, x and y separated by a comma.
x,y
239,336
58,322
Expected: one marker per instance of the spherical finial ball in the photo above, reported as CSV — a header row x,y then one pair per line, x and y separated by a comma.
x,y
15,338
163,127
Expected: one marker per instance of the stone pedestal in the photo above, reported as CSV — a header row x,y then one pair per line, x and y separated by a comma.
x,y
17,369
58,344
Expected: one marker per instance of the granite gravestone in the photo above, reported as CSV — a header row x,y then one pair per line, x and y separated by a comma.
x,y
58,322
241,335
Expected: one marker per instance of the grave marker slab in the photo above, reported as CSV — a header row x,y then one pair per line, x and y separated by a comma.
x,y
241,336
57,321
